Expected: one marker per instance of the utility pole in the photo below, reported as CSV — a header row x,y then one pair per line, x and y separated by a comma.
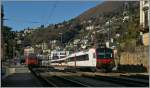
x,y
109,31
61,39
2,37
108,35
75,56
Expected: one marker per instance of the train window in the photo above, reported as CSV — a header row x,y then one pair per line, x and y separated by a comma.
x,y
100,55
82,58
108,55
78,58
100,50
104,53
108,50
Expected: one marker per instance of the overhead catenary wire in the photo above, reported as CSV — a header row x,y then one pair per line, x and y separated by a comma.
x,y
55,5
50,14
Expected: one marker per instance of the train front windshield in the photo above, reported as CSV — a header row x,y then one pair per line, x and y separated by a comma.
x,y
103,53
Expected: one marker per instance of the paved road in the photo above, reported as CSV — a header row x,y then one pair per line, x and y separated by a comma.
x,y
21,80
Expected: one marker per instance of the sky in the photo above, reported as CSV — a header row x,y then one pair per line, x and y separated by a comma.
x,y
20,15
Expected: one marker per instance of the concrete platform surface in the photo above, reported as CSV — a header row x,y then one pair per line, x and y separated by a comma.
x,y
21,80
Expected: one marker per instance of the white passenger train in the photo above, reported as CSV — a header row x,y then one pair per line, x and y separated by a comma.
x,y
59,62
90,59
82,59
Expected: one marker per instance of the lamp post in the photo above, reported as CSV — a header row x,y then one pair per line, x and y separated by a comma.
x,y
61,36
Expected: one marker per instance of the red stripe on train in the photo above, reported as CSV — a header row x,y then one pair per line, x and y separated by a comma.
x,y
104,61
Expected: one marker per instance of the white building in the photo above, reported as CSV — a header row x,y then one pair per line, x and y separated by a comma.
x,y
44,46
58,54
144,12
27,31
76,41
90,27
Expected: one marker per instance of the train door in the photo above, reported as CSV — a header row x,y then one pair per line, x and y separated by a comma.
x,y
92,56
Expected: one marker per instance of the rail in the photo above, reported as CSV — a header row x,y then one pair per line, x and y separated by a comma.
x,y
121,81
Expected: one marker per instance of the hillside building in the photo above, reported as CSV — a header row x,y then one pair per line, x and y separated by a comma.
x,y
144,13
90,27
144,21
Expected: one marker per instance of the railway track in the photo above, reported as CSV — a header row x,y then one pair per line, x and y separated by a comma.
x,y
140,77
122,81
57,81
92,81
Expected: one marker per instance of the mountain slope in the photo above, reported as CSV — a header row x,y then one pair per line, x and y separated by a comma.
x,y
104,8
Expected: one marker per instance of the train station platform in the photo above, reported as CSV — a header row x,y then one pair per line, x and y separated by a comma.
x,y
21,80
18,76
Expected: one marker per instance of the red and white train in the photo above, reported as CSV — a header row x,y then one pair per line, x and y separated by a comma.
x,y
29,56
31,59
93,59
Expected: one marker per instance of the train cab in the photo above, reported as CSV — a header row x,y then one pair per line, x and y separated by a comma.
x,y
104,58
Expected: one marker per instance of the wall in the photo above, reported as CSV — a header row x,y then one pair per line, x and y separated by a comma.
x,y
140,56
145,39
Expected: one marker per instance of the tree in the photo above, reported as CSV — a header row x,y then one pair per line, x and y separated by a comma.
x,y
9,42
